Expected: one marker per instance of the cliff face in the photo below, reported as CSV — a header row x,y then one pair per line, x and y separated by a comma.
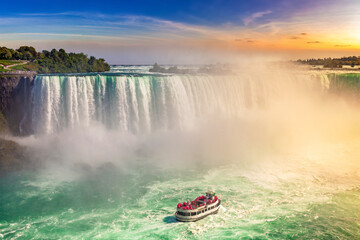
x,y
12,156
15,100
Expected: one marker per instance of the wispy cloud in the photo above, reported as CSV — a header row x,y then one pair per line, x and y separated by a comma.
x,y
298,36
255,16
62,14
263,30
342,45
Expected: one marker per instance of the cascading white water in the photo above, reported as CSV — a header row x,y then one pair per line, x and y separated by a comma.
x,y
144,103
280,152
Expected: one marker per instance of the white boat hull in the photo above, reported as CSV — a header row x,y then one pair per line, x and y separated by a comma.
x,y
197,214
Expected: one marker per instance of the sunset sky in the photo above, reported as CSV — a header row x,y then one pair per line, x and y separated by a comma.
x,y
185,31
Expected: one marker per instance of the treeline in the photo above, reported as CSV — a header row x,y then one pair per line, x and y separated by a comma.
x,y
158,69
210,69
54,61
332,62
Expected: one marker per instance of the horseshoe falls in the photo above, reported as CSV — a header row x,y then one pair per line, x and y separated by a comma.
x,y
139,104
114,153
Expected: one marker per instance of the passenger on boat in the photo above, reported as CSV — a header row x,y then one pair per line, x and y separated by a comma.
x,y
198,202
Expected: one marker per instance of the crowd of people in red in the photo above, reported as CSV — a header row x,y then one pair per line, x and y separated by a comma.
x,y
194,204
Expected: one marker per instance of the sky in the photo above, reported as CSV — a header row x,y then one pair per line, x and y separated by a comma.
x,y
187,31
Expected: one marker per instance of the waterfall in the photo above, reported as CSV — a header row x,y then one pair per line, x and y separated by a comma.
x,y
143,103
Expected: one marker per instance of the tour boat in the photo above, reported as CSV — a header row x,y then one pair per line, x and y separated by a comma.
x,y
201,207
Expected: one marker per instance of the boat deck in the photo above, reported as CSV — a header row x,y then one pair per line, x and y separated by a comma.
x,y
198,213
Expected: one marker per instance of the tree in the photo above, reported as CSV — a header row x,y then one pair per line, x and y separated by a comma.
x,y
5,53
29,53
55,61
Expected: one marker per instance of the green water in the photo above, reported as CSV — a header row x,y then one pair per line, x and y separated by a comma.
x,y
290,172
349,82
139,203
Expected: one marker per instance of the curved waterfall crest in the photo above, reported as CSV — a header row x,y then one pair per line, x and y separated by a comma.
x,y
143,103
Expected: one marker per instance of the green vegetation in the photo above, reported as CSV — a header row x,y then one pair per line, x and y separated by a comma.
x,y
157,68
31,66
8,62
333,62
23,53
53,61
209,69
2,69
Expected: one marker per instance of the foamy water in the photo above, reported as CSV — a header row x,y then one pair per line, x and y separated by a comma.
x,y
119,151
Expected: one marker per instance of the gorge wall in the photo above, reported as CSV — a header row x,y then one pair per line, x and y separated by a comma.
x,y
14,99
140,103
15,90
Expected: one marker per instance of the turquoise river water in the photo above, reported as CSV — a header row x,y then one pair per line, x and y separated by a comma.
x,y
119,151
